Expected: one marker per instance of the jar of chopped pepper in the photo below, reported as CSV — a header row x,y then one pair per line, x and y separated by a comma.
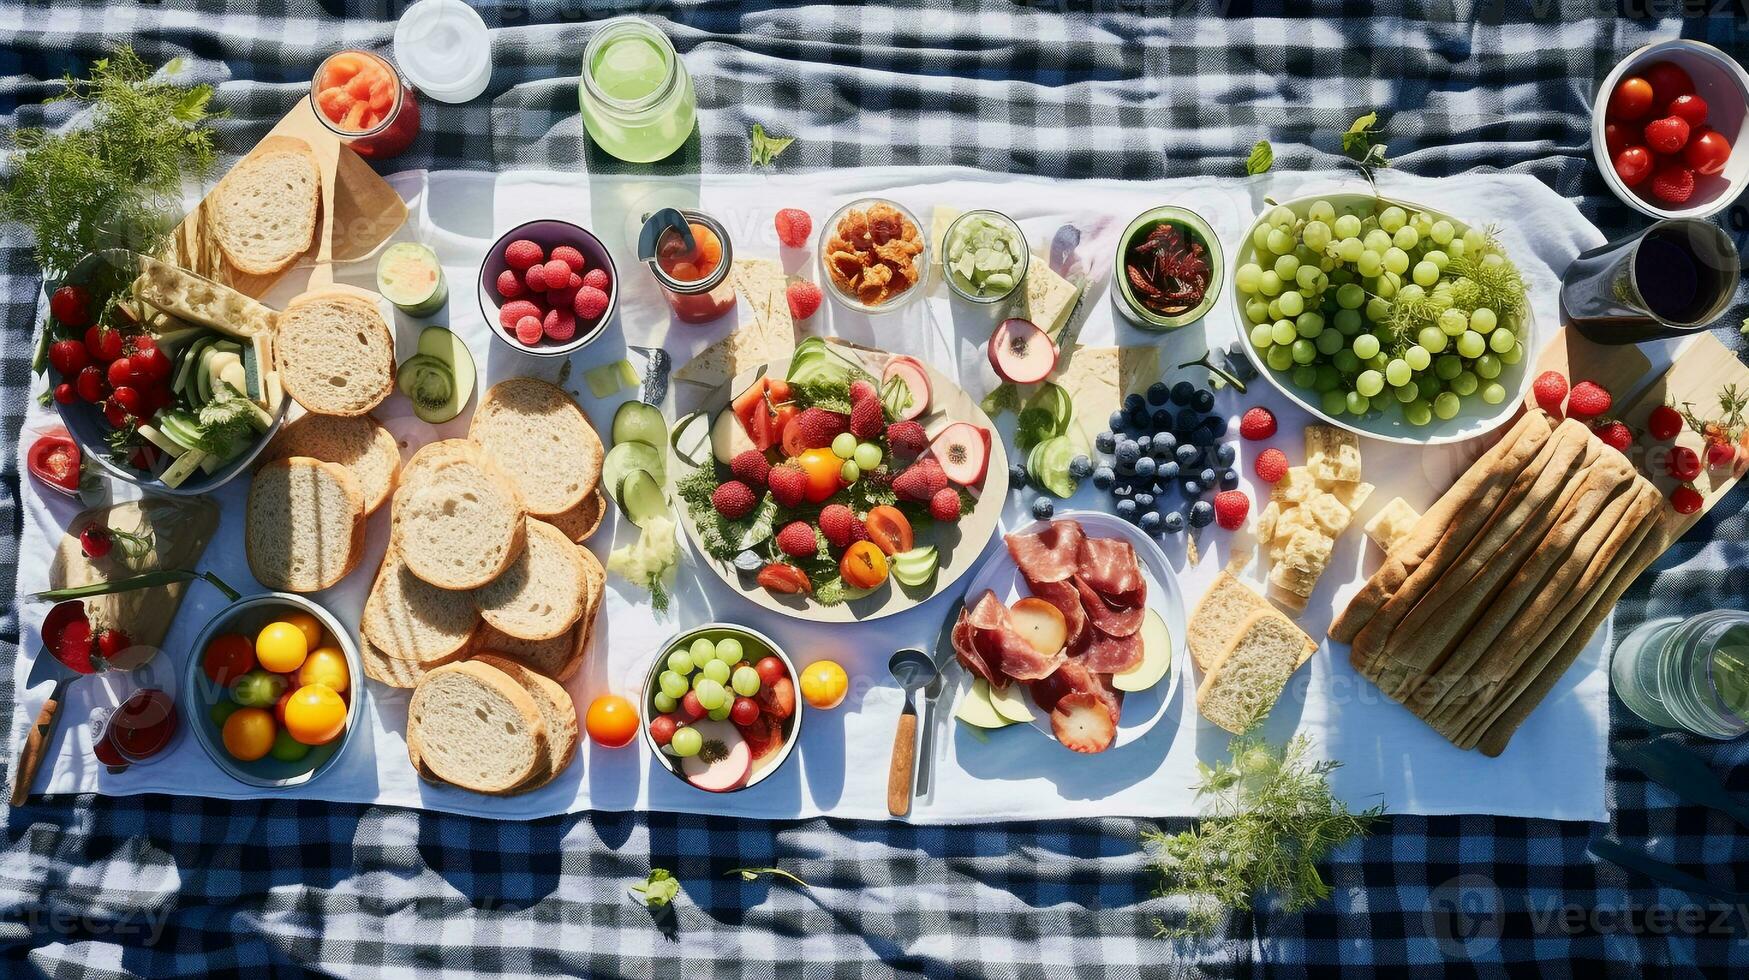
x,y
362,99
689,253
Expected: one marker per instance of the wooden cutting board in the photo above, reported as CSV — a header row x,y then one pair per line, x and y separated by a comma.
x,y
1617,367
358,211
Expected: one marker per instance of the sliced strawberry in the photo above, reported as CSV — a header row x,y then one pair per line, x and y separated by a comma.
x,y
1082,722
787,579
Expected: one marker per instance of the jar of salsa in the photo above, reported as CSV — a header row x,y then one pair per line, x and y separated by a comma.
x,y
692,267
361,99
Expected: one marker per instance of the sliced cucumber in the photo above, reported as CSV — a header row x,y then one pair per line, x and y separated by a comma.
x,y
638,422
1055,400
180,427
183,468
640,498
170,446
625,457
691,440
1049,465
191,362
915,567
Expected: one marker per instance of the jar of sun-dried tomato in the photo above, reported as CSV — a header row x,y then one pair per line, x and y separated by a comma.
x,y
362,99
689,253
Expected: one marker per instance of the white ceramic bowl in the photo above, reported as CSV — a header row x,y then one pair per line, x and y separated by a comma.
x,y
1723,83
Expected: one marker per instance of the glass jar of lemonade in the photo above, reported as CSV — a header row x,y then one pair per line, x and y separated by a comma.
x,y
1688,674
637,99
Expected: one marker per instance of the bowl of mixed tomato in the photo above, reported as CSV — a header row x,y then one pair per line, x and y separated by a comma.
x,y
1665,126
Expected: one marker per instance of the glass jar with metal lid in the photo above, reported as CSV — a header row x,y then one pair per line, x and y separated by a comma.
x,y
689,253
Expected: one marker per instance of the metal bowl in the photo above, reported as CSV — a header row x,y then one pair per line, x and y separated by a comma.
x,y
548,233
755,645
247,616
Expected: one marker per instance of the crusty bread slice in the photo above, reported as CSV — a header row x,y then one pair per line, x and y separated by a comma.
x,y
581,521
1216,621
558,713
335,354
1249,675
474,726
456,521
543,592
358,442
303,527
264,211
394,671
407,618
560,656
536,432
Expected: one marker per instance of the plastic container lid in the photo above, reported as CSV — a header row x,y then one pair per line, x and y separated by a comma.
x,y
444,49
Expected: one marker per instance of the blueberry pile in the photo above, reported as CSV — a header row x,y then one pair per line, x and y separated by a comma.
x,y
1165,457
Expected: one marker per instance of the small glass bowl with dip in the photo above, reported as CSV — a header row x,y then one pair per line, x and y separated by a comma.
x,y
984,256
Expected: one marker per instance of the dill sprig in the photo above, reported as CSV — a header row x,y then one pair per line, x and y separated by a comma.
x,y
1494,285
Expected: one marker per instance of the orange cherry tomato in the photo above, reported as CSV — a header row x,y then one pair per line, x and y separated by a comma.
x,y
863,565
325,666
889,529
228,657
824,684
248,734
823,468
1631,99
315,715
612,721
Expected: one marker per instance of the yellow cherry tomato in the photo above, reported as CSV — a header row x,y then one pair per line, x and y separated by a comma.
x,y
281,647
611,721
307,624
824,684
315,715
325,666
248,733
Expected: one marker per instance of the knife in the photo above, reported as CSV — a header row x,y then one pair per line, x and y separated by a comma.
x,y
943,657
1663,872
1683,773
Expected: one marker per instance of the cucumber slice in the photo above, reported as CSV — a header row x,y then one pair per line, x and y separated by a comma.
x,y
625,457
183,468
915,567
640,498
453,355
190,361
628,375
1051,466
691,440
638,422
201,388
604,380
170,446
1055,400
429,385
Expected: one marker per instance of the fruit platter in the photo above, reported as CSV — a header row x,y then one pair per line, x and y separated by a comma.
x,y
735,718
840,484
1385,318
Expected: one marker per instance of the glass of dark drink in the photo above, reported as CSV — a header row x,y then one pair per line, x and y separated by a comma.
x,y
1674,278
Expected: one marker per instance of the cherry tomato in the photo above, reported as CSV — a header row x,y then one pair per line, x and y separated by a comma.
x,y
130,399
281,647
68,357
150,364
114,414
120,372
824,684
228,657
1689,107
71,305
863,565
65,394
315,715
1668,81
325,666
889,529
1616,137
90,383
612,721
745,711
1632,98
1633,165
95,540
1707,153
102,343
822,467
248,734
771,670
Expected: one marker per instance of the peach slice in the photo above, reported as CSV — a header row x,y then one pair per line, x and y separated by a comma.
x,y
1041,623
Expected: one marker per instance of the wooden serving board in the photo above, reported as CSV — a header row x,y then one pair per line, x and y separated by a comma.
x,y
358,212
1696,374
1617,367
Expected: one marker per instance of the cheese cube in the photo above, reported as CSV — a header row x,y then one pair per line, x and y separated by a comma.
x,y
1352,495
1392,524
1266,521
1298,484
1332,454
1328,513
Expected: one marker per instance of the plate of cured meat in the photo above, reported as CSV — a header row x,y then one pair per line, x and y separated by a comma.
x,y
1077,630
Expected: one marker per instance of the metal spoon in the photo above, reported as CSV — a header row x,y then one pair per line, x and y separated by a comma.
x,y
913,669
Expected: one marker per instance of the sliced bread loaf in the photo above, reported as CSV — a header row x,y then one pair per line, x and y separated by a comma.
x,y
542,439
335,354
394,671
560,656
407,618
1214,624
558,713
1248,676
303,525
543,592
358,442
457,522
264,211
474,726
580,521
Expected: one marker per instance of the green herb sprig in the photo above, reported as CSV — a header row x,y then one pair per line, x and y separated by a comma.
x,y
765,148
1261,159
657,890
1358,143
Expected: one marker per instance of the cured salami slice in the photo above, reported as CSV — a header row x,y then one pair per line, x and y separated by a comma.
x,y
1069,678
1051,555
1114,620
1109,565
1103,653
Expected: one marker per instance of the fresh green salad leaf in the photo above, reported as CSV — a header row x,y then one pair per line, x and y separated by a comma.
x,y
1261,159
831,394
658,889
765,147
224,422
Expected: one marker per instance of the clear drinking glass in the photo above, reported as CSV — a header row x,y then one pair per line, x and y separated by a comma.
x,y
637,99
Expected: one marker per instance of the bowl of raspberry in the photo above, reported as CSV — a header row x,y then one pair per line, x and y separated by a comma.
x,y
1665,127
548,288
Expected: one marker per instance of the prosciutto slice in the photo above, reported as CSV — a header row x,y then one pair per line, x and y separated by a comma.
x,y
1069,678
1110,619
968,654
1051,555
1067,600
1103,653
1000,647
1109,565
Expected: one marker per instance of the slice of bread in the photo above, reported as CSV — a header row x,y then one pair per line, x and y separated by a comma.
x,y
543,592
558,713
536,432
1214,624
335,354
560,656
393,671
358,442
1248,676
474,726
456,521
581,521
303,527
407,618
264,211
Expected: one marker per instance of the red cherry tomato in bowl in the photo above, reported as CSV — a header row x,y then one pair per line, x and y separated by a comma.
x,y
1668,81
1632,98
1707,153
1689,107
1633,165
1616,137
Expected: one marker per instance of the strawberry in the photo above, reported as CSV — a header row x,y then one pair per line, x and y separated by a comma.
x,y
777,576
793,227
1684,463
570,256
560,325
921,480
1257,423
1614,433
1667,135
1673,183
751,468
945,505
1231,506
558,274
861,388
522,254
1686,500
797,540
1720,454
1082,722
819,427
733,500
529,330
535,278
867,419
835,524
1665,423
1550,390
789,485
589,303
1271,465
509,286
1587,401
907,439
804,299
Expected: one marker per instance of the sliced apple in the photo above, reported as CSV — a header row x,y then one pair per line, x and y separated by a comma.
x,y
1021,352
723,763
1011,704
1156,657
914,400
1041,623
963,450
976,709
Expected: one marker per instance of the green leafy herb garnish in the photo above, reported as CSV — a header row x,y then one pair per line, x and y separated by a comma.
x,y
224,422
752,874
766,148
1272,820
1261,159
831,394
1746,326
658,889
1358,143
1003,397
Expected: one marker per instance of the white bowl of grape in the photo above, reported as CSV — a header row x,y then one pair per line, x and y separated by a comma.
x,y
1386,318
